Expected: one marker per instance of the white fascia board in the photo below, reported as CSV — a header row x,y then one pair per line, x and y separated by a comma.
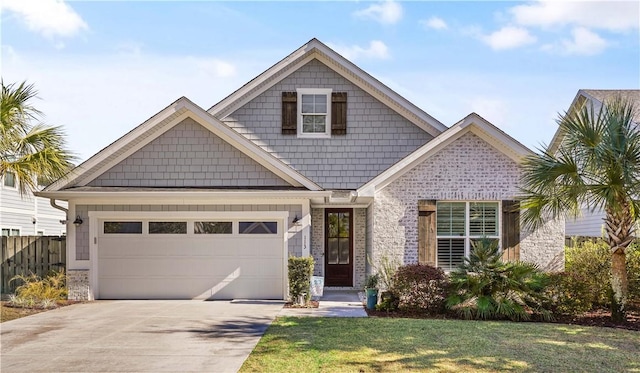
x,y
105,153
249,148
185,197
557,138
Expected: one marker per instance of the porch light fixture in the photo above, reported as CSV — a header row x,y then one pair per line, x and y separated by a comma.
x,y
296,220
78,221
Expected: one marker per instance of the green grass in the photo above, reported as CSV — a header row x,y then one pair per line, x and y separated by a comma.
x,y
394,345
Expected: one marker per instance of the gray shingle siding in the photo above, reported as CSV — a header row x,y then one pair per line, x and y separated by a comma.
x,y
377,137
188,155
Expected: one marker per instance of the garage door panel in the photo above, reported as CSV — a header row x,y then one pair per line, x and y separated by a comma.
x,y
191,266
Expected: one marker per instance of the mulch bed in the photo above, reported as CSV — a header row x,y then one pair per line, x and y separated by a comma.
x,y
312,304
600,318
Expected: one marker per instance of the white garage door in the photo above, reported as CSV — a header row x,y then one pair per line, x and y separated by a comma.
x,y
190,259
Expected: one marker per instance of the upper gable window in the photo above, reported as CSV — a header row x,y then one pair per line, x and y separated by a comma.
x,y
10,179
314,112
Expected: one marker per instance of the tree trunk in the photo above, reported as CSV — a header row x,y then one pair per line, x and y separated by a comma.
x,y
619,227
619,284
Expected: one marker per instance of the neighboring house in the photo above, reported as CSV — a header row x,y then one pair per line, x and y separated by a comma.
x,y
312,157
590,223
27,215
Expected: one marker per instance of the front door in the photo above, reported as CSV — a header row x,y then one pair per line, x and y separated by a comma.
x,y
338,247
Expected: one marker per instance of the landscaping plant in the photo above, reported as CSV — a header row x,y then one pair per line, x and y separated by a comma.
x,y
485,287
300,272
37,292
419,288
597,166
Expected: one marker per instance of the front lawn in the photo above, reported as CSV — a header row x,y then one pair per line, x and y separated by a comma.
x,y
393,345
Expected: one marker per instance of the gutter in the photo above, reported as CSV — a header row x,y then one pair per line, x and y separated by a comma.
x,y
52,201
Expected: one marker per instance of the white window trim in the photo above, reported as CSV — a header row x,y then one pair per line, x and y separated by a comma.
x,y
12,228
467,237
327,127
15,182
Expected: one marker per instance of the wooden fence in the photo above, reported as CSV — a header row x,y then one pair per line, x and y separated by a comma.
x,y
23,255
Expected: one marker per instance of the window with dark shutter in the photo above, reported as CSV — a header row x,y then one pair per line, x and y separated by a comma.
x,y
339,113
510,230
289,113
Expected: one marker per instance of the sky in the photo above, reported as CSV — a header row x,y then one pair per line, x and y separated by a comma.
x,y
103,67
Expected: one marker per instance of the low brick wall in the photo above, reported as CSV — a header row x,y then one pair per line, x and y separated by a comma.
x,y
78,284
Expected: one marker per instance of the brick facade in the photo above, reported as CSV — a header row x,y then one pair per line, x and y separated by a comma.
x,y
467,169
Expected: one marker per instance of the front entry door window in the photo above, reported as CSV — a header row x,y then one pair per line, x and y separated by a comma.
x,y
338,247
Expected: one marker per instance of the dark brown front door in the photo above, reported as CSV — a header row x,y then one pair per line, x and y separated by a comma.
x,y
338,247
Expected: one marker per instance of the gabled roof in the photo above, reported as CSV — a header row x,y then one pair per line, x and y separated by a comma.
x,y
598,97
314,49
471,123
160,123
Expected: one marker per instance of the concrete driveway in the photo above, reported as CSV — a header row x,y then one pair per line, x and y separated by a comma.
x,y
137,336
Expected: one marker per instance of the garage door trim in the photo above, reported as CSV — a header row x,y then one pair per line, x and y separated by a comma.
x,y
94,229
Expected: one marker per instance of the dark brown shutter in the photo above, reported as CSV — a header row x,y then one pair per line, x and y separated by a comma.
x,y
427,232
289,113
510,230
339,113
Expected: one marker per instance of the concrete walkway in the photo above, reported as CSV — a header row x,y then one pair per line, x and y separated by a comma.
x,y
333,303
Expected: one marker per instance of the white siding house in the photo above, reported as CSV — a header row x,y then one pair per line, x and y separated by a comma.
x,y
28,215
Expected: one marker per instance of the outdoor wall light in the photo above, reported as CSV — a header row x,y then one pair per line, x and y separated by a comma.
x,y
78,221
296,220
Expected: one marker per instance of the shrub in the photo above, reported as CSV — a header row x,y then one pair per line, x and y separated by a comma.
x,y
36,292
419,288
591,262
300,272
485,287
568,293
371,282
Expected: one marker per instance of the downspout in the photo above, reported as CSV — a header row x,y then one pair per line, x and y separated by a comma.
x,y
66,211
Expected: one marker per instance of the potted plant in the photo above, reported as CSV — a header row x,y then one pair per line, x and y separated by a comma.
x,y
371,289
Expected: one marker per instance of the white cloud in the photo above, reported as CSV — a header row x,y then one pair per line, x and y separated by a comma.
x,y
609,15
386,12
584,42
492,109
376,50
215,67
508,37
50,18
435,23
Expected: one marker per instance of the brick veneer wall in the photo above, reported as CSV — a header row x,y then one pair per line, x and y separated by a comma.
x,y
467,169
359,244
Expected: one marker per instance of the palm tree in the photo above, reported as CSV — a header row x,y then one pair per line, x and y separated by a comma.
x,y
33,152
597,166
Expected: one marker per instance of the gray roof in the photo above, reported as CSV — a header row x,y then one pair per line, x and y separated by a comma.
x,y
632,95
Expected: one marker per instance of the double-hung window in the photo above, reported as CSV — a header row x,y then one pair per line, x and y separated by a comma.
x,y
9,179
314,112
458,225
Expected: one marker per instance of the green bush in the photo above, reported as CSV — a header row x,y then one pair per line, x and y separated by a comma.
x,y
300,272
485,287
36,292
568,293
418,287
591,261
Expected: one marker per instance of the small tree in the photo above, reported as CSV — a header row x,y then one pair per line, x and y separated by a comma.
x,y
597,166
34,153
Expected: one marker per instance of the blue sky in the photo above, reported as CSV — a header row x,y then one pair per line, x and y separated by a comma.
x,y
102,68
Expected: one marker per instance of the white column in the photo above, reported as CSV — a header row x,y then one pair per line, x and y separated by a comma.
x,y
306,228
